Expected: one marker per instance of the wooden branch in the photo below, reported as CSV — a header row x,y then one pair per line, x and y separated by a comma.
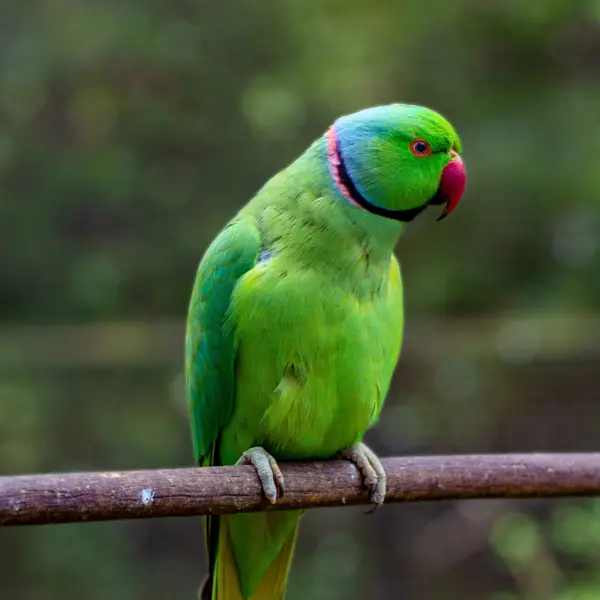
x,y
38,499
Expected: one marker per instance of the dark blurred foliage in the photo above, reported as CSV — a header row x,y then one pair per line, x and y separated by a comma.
x,y
131,131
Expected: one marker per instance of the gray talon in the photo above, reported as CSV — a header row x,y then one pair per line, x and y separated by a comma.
x,y
267,469
372,471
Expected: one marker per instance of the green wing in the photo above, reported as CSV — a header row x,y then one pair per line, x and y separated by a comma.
x,y
210,346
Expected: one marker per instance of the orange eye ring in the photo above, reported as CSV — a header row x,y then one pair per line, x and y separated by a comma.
x,y
420,148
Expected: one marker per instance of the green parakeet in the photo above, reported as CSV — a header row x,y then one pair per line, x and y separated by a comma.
x,y
295,322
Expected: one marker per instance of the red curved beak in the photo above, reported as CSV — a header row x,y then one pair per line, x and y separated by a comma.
x,y
452,184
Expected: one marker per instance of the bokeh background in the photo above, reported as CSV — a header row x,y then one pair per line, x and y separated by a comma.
x,y
130,132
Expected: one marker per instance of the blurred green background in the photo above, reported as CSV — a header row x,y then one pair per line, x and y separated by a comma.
x,y
130,132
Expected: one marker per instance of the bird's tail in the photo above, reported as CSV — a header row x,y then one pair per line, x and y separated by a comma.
x,y
224,584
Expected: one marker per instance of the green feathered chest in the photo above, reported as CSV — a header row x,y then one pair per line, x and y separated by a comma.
x,y
314,359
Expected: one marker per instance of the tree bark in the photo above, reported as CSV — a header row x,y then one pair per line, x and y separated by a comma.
x,y
74,497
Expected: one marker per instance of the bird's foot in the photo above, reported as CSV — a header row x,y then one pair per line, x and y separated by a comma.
x,y
372,471
267,469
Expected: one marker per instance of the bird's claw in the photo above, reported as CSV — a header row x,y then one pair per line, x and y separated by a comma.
x,y
372,471
267,469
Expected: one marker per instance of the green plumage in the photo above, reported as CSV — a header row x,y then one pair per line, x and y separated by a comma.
x,y
294,331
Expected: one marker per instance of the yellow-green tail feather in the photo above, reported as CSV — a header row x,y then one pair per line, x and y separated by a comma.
x,y
273,584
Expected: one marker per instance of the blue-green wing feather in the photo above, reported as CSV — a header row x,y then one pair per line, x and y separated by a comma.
x,y
210,349
210,345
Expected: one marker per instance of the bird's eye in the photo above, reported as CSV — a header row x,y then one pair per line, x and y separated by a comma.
x,y
420,148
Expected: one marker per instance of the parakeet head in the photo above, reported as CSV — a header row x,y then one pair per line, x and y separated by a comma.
x,y
395,160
